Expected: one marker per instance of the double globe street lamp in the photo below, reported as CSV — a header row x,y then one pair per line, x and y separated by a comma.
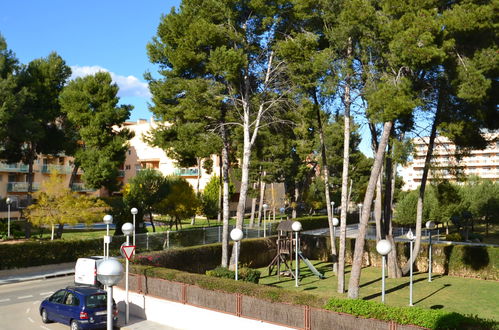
x,y
109,273
108,219
134,212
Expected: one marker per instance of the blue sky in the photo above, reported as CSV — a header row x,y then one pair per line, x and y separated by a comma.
x,y
90,35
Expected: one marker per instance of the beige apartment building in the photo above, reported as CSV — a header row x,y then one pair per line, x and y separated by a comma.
x,y
445,165
141,155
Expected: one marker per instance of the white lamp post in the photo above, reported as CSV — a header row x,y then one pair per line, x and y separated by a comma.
x,y
127,229
430,225
282,210
383,247
134,212
108,219
265,206
8,201
360,212
109,273
411,238
296,226
236,234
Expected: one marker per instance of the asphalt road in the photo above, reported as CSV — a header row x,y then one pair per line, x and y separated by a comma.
x,y
19,303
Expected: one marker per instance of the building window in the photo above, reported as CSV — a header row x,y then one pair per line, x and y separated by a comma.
x,y
129,151
127,167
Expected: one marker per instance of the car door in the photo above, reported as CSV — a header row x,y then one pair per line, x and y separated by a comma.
x,y
54,305
70,309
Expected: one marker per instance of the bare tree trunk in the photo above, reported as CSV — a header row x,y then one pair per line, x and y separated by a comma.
x,y
390,172
378,202
344,181
297,198
220,189
261,202
198,181
422,187
253,207
325,171
353,286
225,198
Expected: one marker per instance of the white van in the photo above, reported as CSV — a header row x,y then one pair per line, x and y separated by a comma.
x,y
86,271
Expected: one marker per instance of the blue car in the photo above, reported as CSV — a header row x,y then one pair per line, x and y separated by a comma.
x,y
79,307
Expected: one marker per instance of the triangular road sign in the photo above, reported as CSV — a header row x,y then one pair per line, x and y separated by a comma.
x,y
128,251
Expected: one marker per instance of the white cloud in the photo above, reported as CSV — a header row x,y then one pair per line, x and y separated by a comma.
x,y
129,85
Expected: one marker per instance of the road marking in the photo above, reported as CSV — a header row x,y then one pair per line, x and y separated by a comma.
x,y
31,320
36,302
46,293
4,300
27,310
24,297
44,327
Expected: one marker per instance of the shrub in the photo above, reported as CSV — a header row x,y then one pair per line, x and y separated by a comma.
x,y
454,237
428,318
245,274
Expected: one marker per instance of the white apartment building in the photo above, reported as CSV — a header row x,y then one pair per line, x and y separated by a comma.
x,y
141,155
445,165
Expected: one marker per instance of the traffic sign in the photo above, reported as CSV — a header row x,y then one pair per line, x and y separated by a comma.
x,y
128,251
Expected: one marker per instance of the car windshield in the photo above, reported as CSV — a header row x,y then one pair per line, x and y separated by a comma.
x,y
97,300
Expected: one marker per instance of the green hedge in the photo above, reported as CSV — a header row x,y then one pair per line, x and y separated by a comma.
x,y
433,319
198,259
245,274
37,253
455,260
427,318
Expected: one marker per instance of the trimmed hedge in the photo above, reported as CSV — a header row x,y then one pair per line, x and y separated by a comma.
x,y
255,253
433,319
456,260
428,318
245,274
37,253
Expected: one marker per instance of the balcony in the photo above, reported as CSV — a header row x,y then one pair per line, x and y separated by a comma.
x,y
21,186
18,167
61,169
121,173
80,187
186,172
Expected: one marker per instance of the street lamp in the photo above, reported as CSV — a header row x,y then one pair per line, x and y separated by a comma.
x,y
236,234
282,210
127,229
265,206
429,225
109,273
383,247
411,238
108,219
296,226
134,212
8,201
360,212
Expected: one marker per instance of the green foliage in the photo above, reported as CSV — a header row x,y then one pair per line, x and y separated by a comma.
x,y
244,274
145,191
92,113
427,318
57,204
180,203
209,198
454,237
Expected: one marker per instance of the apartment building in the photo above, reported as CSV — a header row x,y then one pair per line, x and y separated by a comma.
x,y
447,165
141,156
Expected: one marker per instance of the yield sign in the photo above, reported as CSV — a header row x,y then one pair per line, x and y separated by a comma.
x,y
128,251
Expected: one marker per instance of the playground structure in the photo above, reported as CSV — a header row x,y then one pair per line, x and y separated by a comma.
x,y
286,245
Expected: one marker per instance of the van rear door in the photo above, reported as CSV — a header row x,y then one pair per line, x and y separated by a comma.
x,y
85,271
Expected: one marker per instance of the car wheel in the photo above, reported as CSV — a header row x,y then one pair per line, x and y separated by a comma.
x,y
75,325
45,317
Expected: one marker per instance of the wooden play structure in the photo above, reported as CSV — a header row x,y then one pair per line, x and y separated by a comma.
x,y
286,247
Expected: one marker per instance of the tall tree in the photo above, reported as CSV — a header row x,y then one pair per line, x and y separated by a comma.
x,y
32,127
95,136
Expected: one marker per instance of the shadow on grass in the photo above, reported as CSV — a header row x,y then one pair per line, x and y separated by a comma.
x,y
433,293
398,287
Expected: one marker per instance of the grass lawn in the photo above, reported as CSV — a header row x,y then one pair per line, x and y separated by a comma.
x,y
462,295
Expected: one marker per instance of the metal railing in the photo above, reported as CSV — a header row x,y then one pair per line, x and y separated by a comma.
x,y
80,187
17,167
62,169
186,172
21,186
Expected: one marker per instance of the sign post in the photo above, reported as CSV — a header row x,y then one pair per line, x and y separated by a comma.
x,y
128,251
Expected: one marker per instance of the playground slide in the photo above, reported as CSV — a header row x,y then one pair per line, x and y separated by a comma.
x,y
311,267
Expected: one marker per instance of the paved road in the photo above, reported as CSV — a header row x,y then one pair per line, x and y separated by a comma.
x,y
19,303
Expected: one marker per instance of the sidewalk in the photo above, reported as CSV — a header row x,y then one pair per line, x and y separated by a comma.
x,y
35,273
